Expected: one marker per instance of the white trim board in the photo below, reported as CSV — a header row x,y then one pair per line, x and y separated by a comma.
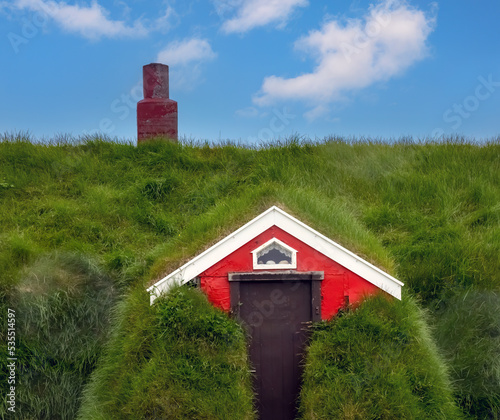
x,y
274,216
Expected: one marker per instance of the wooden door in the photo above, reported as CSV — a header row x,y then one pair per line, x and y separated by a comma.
x,y
276,309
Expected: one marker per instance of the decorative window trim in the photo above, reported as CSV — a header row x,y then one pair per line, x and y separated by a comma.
x,y
255,252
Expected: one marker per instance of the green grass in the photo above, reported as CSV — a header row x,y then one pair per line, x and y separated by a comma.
x,y
468,329
182,359
62,304
429,213
377,362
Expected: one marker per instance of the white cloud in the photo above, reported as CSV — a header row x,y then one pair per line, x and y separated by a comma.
x,y
91,21
253,13
316,112
351,56
169,19
184,59
222,7
185,52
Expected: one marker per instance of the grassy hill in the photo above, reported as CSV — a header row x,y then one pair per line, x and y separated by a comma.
x,y
87,225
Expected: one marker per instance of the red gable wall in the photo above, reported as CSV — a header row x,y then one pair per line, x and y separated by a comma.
x,y
338,281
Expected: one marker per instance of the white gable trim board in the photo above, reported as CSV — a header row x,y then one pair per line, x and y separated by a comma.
x,y
277,217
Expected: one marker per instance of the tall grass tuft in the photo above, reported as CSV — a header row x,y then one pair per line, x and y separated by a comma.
x,y
62,303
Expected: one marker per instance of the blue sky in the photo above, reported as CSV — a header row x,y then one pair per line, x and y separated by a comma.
x,y
254,70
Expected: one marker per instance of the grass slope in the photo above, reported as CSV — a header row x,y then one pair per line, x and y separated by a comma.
x,y
429,213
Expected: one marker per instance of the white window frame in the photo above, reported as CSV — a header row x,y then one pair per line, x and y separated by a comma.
x,y
257,266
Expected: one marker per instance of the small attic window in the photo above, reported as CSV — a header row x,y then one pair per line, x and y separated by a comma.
x,y
274,254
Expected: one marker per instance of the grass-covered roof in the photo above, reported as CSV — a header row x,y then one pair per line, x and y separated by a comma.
x,y
86,226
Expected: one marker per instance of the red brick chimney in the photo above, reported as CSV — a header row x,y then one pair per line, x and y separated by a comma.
x,y
156,113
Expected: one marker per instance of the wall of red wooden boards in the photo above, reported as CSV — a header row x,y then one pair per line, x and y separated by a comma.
x,y
338,281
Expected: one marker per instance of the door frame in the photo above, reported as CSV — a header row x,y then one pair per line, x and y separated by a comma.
x,y
315,277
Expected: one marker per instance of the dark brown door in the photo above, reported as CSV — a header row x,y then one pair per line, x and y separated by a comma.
x,y
276,313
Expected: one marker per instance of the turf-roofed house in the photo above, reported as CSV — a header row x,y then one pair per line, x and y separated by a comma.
x,y
277,276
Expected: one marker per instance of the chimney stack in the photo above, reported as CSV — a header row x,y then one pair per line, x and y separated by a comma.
x,y
156,113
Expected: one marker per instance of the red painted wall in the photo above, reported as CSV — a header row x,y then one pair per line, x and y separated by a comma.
x,y
338,281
